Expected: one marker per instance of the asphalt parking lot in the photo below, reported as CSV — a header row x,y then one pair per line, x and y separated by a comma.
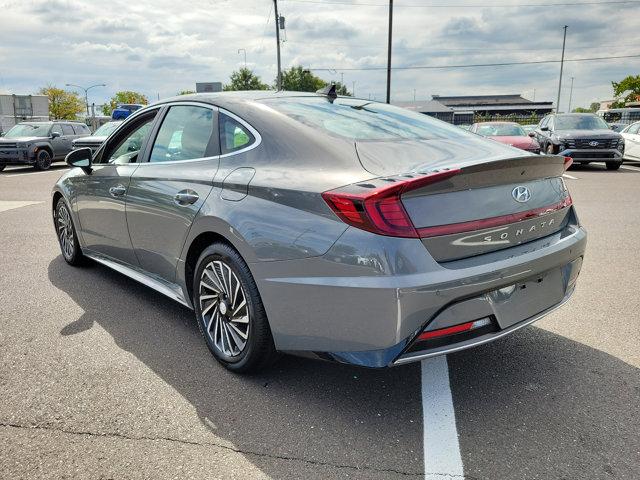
x,y
101,377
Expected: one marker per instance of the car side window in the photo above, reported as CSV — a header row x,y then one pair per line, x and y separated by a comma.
x,y
551,123
633,129
233,135
125,147
81,129
67,129
56,129
543,122
185,134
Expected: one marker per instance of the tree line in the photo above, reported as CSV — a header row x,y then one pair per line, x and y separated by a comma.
x,y
65,104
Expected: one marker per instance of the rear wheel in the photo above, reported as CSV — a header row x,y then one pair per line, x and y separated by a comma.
x,y
229,311
613,165
43,160
67,236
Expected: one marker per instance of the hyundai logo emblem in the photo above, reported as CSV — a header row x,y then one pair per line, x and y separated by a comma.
x,y
521,194
593,143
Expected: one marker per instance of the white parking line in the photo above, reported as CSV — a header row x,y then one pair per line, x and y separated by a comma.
x,y
629,167
11,204
442,460
566,175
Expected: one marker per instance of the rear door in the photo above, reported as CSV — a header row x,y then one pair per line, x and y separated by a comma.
x,y
170,186
68,135
100,196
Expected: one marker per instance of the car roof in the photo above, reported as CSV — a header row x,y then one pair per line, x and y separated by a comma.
x,y
229,98
497,123
50,122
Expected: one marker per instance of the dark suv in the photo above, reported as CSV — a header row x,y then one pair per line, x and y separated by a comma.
x,y
584,137
39,143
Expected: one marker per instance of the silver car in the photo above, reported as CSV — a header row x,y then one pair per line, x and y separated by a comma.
x,y
324,226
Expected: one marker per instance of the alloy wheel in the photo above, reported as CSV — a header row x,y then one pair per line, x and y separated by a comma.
x,y
65,232
224,310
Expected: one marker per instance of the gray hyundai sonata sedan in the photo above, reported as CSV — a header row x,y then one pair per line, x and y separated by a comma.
x,y
324,226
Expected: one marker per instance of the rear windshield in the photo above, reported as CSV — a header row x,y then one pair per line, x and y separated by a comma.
x,y
361,120
501,130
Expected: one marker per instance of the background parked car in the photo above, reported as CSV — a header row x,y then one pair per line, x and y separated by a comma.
x,y
529,128
124,110
631,135
510,133
95,140
39,143
618,127
585,137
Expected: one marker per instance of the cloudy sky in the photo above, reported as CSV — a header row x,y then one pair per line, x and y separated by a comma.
x,y
159,47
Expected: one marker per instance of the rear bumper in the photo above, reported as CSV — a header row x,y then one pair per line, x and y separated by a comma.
x,y
366,300
593,155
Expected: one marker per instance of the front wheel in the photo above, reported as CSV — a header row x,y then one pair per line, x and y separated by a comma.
x,y
67,236
229,311
613,165
43,160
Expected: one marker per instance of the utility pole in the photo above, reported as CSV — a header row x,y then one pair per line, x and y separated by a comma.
x,y
86,92
245,56
353,88
564,40
570,95
279,77
389,52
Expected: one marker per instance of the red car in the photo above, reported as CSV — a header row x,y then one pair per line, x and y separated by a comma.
x,y
510,133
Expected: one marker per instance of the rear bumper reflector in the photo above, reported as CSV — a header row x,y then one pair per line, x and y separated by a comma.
x,y
452,228
463,327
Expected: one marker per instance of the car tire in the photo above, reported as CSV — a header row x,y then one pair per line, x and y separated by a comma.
x,y
229,311
67,236
613,165
43,160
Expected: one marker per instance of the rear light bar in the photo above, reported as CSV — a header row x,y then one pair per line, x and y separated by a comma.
x,y
463,327
379,209
452,228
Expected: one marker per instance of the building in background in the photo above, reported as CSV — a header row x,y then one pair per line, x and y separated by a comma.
x,y
18,108
470,108
432,108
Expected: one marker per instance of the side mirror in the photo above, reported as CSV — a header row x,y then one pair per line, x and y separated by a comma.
x,y
532,134
544,129
80,158
55,134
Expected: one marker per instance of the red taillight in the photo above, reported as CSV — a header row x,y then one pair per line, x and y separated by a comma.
x,y
379,209
463,327
568,161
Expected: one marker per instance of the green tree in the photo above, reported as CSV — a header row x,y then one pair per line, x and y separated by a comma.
x,y
245,79
629,86
186,92
593,108
63,105
299,79
126,96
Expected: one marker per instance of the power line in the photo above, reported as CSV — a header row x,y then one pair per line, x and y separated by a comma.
x,y
501,64
467,5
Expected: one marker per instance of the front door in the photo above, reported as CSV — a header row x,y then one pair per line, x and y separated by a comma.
x,y
58,143
169,188
101,195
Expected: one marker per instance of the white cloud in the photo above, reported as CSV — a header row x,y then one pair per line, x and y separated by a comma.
x,y
160,47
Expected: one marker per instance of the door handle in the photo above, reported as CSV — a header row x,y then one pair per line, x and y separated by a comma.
x,y
186,197
117,191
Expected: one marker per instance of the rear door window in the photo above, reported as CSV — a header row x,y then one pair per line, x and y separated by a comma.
x,y
234,135
185,134
67,130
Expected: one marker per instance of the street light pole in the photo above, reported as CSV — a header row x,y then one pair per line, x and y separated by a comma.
x,y
389,52
86,92
279,77
564,40
570,95
245,56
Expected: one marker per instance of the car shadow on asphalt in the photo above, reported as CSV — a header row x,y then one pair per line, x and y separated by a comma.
x,y
531,405
368,422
